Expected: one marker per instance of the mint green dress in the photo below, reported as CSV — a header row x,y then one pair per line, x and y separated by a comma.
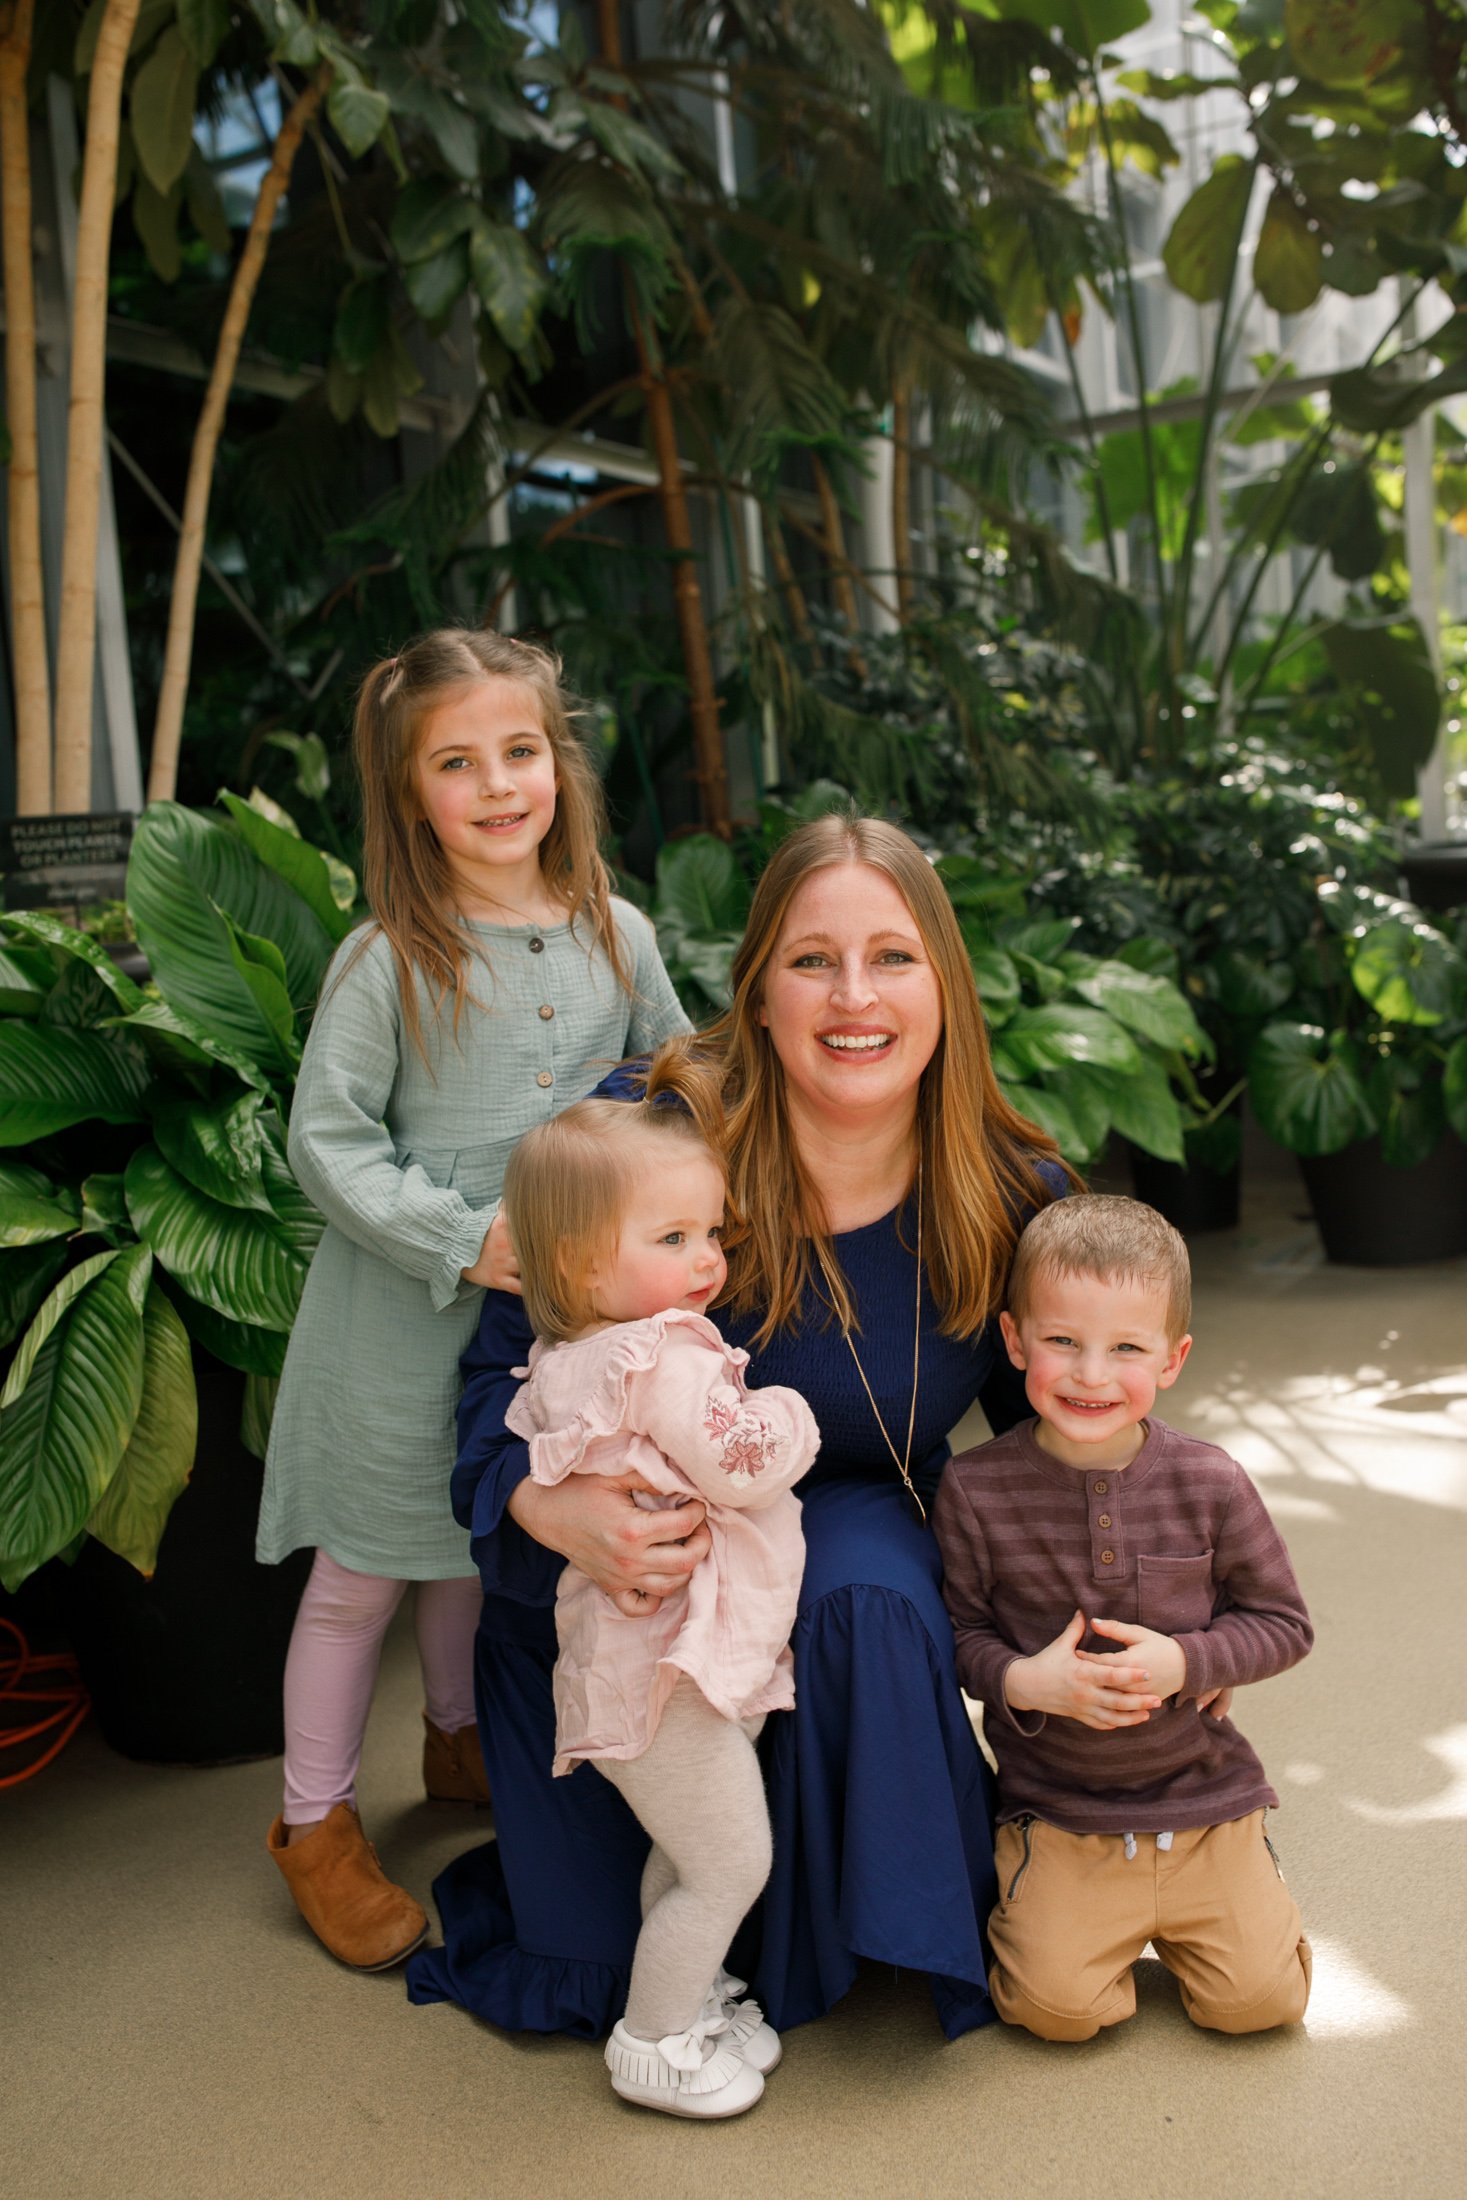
x,y
402,1157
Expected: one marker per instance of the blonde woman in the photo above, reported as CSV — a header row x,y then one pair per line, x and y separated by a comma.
x,y
877,1184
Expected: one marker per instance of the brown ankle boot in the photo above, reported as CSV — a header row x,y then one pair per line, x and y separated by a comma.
x,y
344,1895
453,1766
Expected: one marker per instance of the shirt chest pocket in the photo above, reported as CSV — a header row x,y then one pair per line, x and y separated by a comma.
x,y
1175,1595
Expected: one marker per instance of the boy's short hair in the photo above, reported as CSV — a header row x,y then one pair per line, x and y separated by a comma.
x,y
565,1191
1100,1234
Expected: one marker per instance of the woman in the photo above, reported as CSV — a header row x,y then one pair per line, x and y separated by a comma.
x,y
879,1180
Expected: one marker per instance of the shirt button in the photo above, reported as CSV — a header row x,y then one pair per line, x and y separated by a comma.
x,y
1101,1488
546,1013
545,1078
537,947
1105,1520
1107,1558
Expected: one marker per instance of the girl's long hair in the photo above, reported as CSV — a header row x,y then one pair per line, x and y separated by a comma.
x,y
404,872
978,1154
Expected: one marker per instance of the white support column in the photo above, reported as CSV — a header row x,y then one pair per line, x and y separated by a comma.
x,y
878,533
1421,563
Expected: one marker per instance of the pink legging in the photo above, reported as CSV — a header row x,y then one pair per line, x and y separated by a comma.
x,y
331,1671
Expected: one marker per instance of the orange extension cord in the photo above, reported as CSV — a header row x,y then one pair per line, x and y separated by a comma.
x,y
65,1692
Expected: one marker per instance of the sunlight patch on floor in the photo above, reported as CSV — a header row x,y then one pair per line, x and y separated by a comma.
x,y
1345,2002
1451,1802
1327,1431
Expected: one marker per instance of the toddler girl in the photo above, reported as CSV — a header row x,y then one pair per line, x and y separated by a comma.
x,y
496,981
615,1211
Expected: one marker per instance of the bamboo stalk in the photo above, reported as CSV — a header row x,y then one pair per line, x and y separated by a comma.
x,y
178,650
23,489
75,654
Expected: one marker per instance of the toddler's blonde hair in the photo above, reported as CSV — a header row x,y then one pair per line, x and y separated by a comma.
x,y
566,1190
1117,1240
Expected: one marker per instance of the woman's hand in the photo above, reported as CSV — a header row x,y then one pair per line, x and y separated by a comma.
x,y
637,1557
496,1265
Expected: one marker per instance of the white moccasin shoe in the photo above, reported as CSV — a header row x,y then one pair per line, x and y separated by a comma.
x,y
744,2024
693,2073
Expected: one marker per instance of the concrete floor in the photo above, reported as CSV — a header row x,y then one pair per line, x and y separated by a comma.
x,y
170,2032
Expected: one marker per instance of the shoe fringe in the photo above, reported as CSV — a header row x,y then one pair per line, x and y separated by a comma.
x,y
653,2066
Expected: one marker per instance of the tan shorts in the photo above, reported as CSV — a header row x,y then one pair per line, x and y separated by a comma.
x,y
1074,1913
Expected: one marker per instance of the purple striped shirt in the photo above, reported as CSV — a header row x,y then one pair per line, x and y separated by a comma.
x,y
1179,1541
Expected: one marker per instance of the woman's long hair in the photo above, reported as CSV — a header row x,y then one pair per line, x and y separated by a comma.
x,y
978,1154
405,875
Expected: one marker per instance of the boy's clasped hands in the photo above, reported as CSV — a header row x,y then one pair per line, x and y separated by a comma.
x,y
1103,1688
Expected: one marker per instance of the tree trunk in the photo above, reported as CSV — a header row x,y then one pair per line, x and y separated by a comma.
x,y
27,578
842,586
709,768
84,447
901,495
794,595
178,651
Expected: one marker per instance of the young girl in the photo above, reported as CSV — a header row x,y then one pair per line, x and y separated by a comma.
x,y
498,980
615,1212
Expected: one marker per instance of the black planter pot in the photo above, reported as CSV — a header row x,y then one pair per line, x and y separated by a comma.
x,y
1373,1216
1193,1200
187,1668
1436,874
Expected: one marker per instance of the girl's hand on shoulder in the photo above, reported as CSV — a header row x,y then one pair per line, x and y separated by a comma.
x,y
496,1266
637,1557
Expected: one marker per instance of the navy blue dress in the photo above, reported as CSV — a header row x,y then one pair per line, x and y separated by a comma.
x,y
880,1800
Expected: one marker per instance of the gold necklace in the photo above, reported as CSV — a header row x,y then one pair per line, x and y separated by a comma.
x,y
901,1460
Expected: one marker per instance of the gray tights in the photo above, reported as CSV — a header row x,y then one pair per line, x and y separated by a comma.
x,y
699,1793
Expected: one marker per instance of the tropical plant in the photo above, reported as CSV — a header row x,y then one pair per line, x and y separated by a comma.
x,y
146,1203
1378,1046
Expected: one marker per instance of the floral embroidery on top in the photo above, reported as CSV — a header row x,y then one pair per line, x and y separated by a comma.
x,y
745,1440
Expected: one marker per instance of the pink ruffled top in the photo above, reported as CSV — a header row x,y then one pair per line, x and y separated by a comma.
x,y
667,1396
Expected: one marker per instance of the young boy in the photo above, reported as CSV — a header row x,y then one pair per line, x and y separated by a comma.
x,y
1127,1812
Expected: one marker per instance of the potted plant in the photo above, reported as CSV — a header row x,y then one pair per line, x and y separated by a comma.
x,y
153,1246
1368,1082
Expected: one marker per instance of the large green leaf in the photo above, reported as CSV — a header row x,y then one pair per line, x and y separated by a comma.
x,y
259,1411
161,111
994,974
217,1145
180,1041
262,966
700,887
185,868
26,977
296,1220
1084,25
64,1427
1454,1086
1199,251
1387,671
428,216
31,1217
1406,1100
1248,987
1150,1006
1047,1110
1344,43
435,286
235,1260
203,25
1144,1108
25,1279
509,278
48,1316
1306,1091
1288,260
301,866
358,115
51,1078
254,1351
46,930
1409,973
1048,1037
133,1510
1077,1089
